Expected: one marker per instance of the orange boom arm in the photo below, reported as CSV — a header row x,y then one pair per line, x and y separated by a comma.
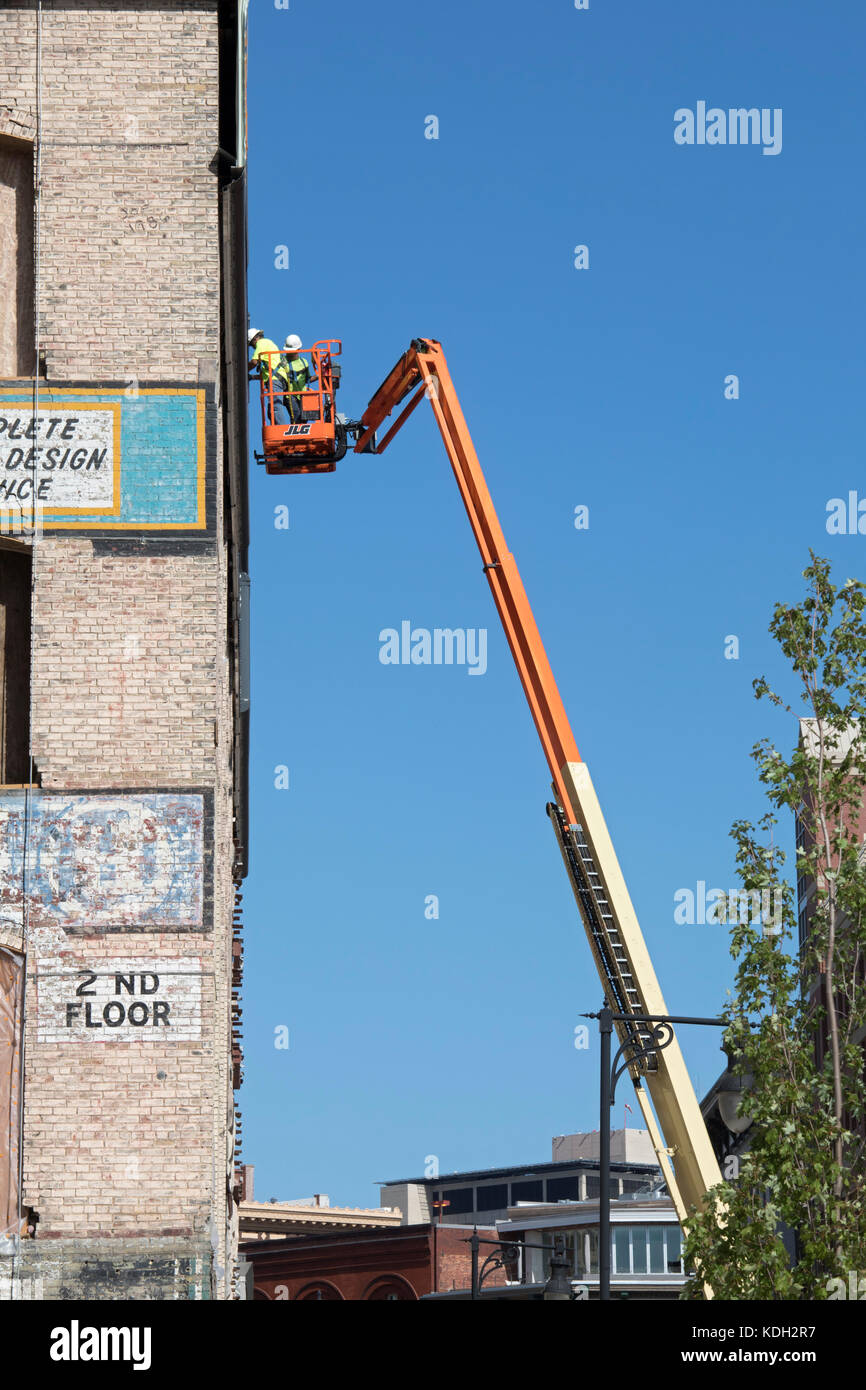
x,y
424,367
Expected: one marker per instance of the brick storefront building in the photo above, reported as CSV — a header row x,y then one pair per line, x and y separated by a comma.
x,y
399,1265
124,703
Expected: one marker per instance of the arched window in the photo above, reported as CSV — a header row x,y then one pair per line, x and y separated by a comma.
x,y
321,1292
390,1288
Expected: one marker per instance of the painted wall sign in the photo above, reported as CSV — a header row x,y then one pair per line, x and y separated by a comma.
x,y
132,458
107,861
128,1000
66,459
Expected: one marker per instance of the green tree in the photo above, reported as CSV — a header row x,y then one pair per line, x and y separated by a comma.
x,y
804,1168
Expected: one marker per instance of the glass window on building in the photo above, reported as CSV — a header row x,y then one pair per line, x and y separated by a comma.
x,y
803,926
586,1252
651,1249
647,1250
460,1202
622,1250
563,1189
800,841
657,1259
639,1250
674,1250
493,1197
527,1191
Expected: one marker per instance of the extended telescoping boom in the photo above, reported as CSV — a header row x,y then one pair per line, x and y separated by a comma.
x,y
631,988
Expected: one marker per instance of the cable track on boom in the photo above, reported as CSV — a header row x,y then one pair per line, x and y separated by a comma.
x,y
602,930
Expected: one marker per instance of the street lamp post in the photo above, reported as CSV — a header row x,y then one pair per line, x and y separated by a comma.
x,y
605,1029
634,1048
558,1287
504,1252
473,1246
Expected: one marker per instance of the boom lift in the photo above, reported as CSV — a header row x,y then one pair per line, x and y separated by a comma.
x,y
660,1079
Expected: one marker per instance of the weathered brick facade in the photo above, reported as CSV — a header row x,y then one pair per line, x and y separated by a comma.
x,y
127,1130
130,248
401,1264
134,688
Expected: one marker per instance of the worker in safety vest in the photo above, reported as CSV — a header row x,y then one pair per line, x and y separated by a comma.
x,y
263,363
298,372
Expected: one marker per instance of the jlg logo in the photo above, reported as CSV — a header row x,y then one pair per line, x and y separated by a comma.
x,y
298,429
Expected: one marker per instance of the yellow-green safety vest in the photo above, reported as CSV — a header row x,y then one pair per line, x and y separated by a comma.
x,y
298,372
264,363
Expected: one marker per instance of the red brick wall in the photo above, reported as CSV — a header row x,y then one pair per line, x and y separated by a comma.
x,y
354,1267
454,1258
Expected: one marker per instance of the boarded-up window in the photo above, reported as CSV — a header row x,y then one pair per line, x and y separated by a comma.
x,y
11,1005
16,260
14,666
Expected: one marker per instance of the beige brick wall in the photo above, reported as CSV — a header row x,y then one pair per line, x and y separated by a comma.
x,y
130,268
130,663
112,1148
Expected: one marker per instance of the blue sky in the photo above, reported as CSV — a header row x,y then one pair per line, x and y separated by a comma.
x,y
601,387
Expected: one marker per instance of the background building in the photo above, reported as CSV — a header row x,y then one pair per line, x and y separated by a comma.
x,y
398,1265
646,1244
485,1195
124,702
807,902
276,1220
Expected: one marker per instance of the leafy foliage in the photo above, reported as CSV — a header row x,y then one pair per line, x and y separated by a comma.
x,y
804,1168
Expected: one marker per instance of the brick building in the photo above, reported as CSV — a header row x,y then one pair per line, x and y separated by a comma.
x,y
123,683
398,1265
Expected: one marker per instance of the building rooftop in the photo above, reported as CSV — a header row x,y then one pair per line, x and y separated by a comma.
x,y
529,1170
842,740
276,1219
640,1207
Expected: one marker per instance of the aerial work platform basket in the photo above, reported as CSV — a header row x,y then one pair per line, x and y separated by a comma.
x,y
315,437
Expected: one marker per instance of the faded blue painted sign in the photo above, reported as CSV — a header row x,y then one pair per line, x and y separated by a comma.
x,y
104,861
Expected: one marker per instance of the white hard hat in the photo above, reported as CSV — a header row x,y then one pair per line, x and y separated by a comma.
x,y
253,333
293,343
